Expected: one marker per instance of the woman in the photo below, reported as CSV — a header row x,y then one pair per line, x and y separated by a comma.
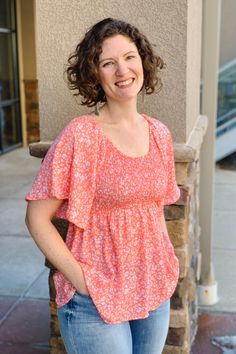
x,y
110,175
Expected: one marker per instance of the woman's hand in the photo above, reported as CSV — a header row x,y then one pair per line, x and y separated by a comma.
x,y
83,291
38,220
82,287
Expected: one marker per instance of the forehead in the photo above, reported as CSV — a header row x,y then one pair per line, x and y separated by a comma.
x,y
117,45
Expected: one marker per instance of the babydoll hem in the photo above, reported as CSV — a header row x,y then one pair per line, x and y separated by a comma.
x,y
125,318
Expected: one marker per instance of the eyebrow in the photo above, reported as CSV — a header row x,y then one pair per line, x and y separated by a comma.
x,y
131,51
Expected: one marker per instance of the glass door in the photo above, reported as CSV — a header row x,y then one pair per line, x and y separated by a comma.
x,y
10,121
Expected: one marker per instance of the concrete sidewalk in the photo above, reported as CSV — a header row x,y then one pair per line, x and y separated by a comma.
x,y
224,242
24,310
218,323
22,271
24,314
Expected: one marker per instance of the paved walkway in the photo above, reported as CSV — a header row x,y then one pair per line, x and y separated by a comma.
x,y
24,314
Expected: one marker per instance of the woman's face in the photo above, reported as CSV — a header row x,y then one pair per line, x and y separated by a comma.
x,y
120,71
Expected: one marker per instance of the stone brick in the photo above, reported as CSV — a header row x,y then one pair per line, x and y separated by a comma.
x,y
178,302
55,325
192,289
52,290
53,308
31,108
176,336
174,212
57,351
170,349
39,149
178,232
181,172
185,191
182,253
179,318
182,287
192,173
185,291
57,346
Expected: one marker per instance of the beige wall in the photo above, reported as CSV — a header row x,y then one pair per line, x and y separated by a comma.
x,y
228,31
60,25
193,63
28,39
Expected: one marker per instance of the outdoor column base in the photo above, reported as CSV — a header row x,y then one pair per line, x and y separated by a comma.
x,y
208,294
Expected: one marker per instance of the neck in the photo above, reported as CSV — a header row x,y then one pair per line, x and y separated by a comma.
x,y
119,112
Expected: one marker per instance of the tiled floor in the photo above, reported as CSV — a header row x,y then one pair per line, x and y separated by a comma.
x,y
214,325
24,326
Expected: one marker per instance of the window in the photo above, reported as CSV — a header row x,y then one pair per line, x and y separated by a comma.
x,y
10,122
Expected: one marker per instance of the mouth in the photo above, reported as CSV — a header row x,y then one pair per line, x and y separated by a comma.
x,y
124,83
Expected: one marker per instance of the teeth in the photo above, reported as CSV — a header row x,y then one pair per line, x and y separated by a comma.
x,y
123,83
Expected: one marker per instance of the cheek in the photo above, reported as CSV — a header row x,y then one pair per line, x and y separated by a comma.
x,y
104,78
140,69
141,73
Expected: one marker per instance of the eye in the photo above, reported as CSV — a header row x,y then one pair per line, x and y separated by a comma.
x,y
130,57
108,63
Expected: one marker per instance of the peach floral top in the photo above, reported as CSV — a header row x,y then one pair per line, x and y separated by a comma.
x,y
113,203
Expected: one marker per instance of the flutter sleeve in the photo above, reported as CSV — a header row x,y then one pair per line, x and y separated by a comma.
x,y
68,172
164,142
172,190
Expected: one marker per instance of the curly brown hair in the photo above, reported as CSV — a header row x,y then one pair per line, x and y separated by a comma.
x,y
82,70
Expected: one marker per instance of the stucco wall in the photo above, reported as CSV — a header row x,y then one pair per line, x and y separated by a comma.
x,y
193,63
60,25
228,31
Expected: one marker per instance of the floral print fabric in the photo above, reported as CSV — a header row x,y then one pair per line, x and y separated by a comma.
x,y
113,203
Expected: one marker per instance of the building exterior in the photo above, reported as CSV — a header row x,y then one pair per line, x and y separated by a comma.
x,y
175,28
10,121
18,78
45,32
19,121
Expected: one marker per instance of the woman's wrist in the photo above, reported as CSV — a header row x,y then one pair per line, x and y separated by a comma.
x,y
79,281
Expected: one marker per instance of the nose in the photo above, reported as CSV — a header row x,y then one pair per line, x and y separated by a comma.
x,y
121,68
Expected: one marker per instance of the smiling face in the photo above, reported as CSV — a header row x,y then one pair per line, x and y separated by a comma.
x,y
120,71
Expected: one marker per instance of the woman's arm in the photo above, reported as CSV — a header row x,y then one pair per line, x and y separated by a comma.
x,y
38,220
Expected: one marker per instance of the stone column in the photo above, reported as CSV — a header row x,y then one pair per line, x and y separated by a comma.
x,y
174,27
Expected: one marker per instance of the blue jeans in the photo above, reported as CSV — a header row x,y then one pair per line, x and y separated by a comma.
x,y
84,332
